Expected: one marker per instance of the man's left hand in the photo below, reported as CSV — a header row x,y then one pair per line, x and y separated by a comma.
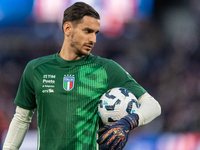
x,y
115,134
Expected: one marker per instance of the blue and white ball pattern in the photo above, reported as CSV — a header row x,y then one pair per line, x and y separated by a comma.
x,y
116,103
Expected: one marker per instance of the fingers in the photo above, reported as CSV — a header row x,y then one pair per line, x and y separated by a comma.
x,y
112,139
116,144
103,138
119,141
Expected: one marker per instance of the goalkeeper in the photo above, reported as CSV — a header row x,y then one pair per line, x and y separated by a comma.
x,y
65,89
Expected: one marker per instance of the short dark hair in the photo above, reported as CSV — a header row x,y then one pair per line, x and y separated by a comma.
x,y
77,11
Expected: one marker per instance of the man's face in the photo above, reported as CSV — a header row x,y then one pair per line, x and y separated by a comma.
x,y
84,36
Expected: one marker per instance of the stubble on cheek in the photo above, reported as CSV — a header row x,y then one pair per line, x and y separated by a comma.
x,y
78,48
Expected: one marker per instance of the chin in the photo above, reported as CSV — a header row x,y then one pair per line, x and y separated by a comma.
x,y
86,53
83,54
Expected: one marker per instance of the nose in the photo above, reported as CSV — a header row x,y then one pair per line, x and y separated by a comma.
x,y
93,38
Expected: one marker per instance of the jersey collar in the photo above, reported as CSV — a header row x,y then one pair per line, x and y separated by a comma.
x,y
70,63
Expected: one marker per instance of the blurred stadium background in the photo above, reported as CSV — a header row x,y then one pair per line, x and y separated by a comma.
x,y
156,41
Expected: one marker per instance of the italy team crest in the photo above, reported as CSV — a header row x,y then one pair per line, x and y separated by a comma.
x,y
68,83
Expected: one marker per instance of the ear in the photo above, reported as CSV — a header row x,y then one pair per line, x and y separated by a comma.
x,y
67,28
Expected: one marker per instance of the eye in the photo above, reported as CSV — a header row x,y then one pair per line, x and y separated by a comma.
x,y
88,31
96,32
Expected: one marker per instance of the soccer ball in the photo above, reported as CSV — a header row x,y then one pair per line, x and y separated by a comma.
x,y
115,104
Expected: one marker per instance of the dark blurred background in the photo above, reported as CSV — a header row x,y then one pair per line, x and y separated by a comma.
x,y
156,41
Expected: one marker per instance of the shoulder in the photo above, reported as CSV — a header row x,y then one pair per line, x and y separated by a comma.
x,y
109,65
41,60
102,61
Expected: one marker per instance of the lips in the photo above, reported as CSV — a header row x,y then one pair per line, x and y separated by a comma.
x,y
89,46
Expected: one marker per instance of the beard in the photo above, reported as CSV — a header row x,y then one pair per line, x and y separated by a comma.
x,y
77,47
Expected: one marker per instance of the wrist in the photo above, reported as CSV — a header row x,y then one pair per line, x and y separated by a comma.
x,y
132,120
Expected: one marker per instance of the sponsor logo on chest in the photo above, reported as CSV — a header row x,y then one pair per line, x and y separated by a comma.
x,y
49,82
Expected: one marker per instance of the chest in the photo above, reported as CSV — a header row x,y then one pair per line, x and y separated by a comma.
x,y
75,81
